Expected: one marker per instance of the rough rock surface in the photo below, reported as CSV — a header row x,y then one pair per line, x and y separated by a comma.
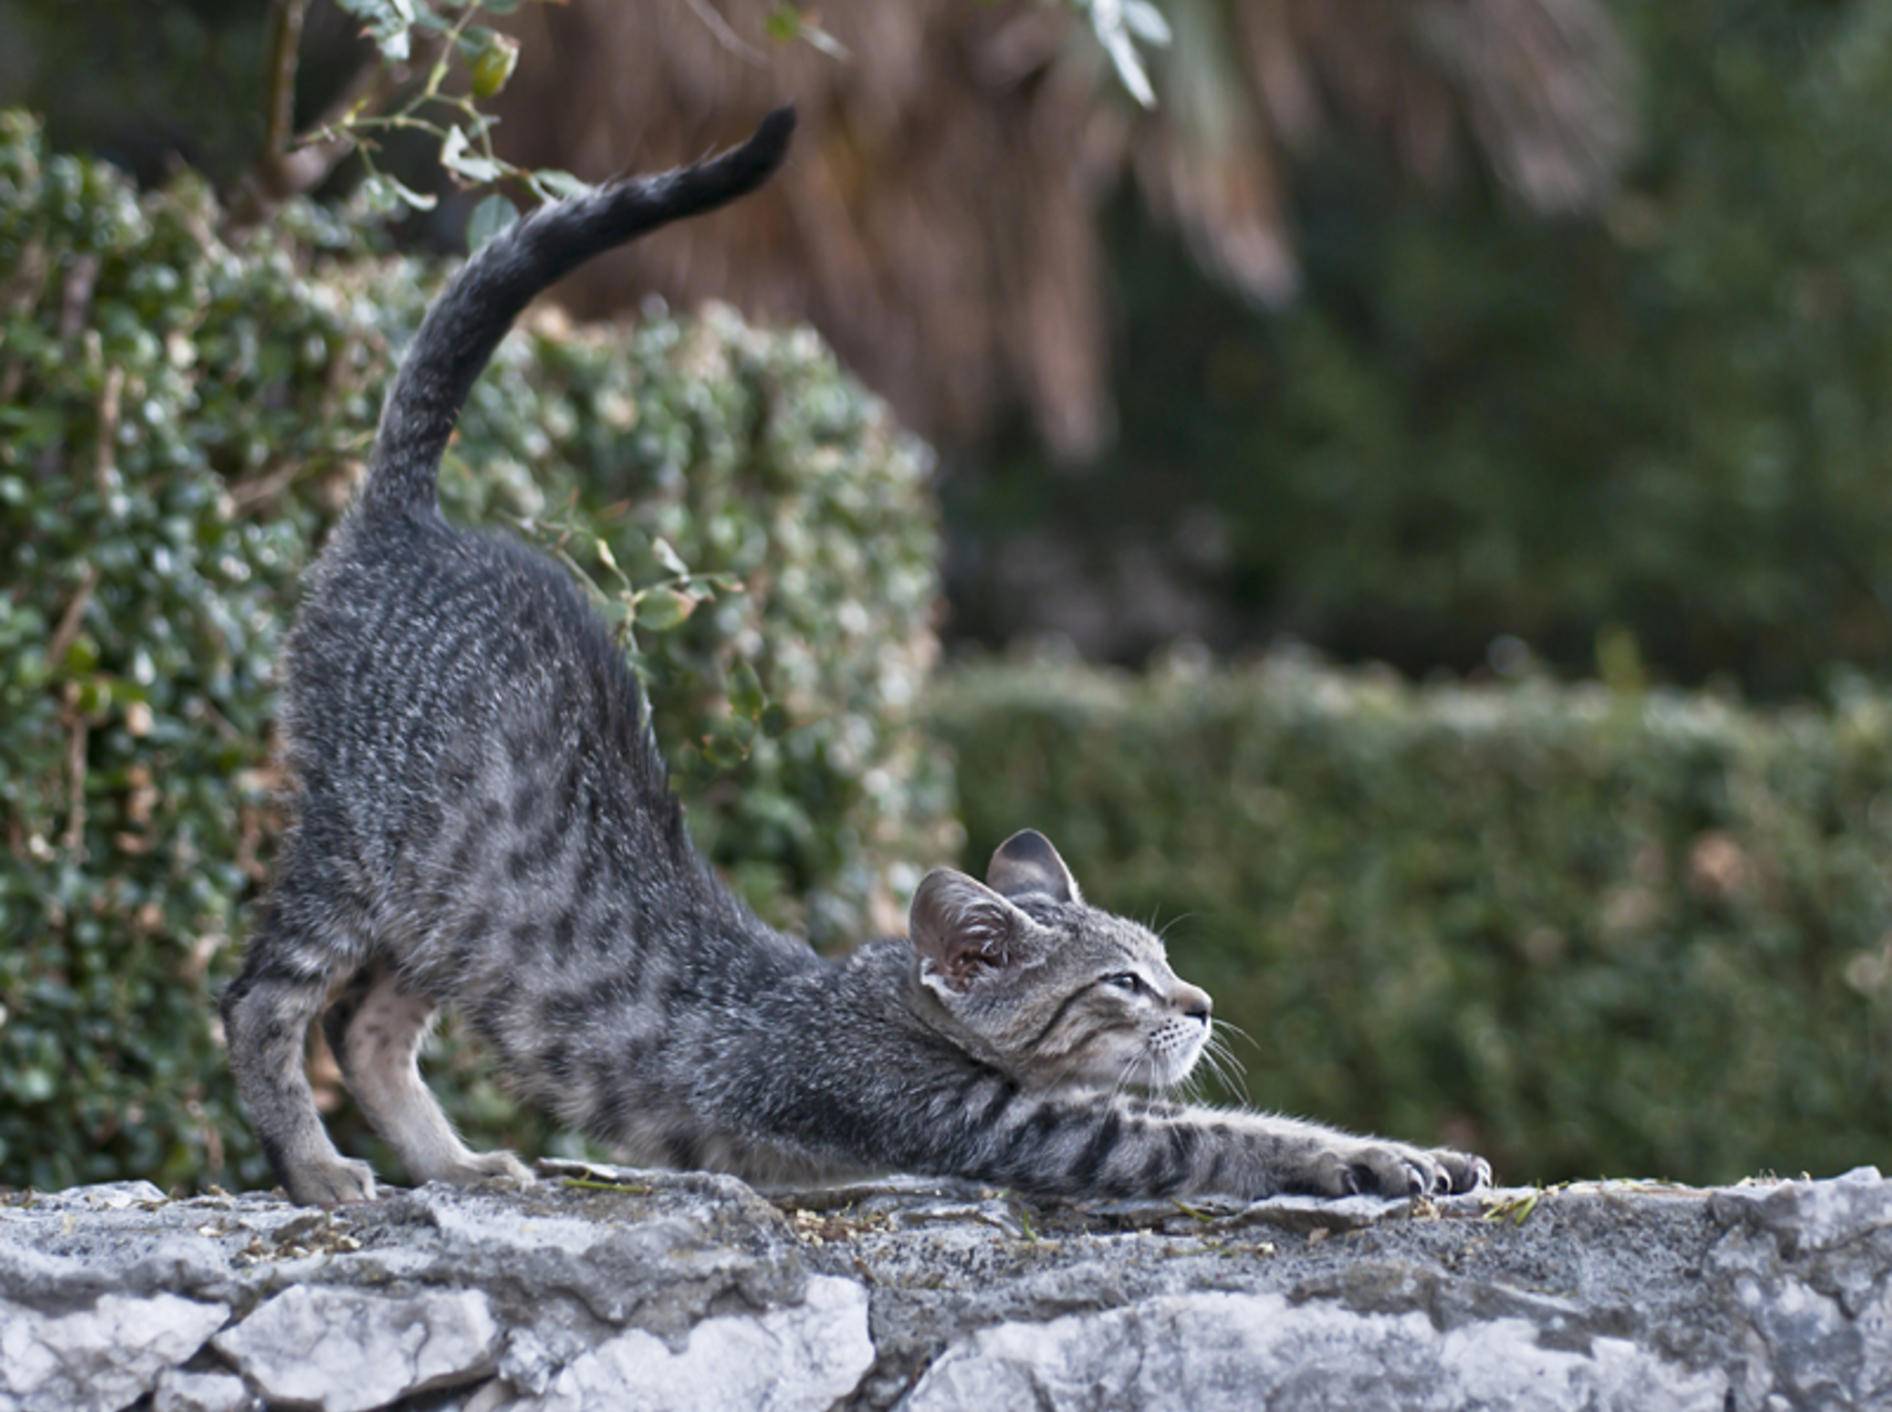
x,y
613,1289
348,1351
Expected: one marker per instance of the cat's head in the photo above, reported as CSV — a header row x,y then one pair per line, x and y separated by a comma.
x,y
1055,990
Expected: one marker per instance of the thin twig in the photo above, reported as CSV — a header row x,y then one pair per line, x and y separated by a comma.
x,y
724,35
103,466
19,292
75,783
75,295
288,165
254,491
285,43
68,626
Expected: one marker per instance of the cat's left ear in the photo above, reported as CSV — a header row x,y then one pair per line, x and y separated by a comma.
x,y
1026,862
964,930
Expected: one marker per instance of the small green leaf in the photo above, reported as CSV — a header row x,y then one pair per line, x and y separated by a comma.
x,y
668,557
405,194
82,655
784,23
377,195
457,157
387,23
787,22
559,185
489,218
494,65
775,720
661,609
419,200
723,750
746,696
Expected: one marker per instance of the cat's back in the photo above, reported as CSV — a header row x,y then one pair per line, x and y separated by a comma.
x,y
424,655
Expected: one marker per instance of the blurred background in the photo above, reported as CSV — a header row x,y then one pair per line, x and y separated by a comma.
x,y
1409,513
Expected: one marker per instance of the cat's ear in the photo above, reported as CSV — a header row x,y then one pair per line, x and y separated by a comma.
x,y
961,928
1026,862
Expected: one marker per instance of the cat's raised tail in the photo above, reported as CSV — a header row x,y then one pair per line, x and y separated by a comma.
x,y
469,318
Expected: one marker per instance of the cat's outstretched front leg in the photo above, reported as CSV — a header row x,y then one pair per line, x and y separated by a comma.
x,y
1093,1145
1287,1155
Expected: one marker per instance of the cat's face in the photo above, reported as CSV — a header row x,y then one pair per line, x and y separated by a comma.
x,y
1056,990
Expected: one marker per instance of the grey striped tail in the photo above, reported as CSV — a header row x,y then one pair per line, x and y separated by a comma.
x,y
466,322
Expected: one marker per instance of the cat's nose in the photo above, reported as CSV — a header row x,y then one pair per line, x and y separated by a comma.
x,y
1193,1001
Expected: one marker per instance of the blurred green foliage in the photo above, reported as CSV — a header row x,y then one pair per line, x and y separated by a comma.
x,y
1582,931
181,414
179,79
1671,422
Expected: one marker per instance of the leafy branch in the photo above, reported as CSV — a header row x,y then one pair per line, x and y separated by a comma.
x,y
659,605
466,63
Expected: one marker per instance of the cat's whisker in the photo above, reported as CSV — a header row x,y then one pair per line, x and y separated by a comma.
x,y
1226,1069
1220,1047
1213,1064
1162,933
1139,1078
1238,1081
1218,1024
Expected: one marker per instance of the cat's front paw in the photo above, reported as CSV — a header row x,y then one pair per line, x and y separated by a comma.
x,y
498,1168
331,1183
1390,1169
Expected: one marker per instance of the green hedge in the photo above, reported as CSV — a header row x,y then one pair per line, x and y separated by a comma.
x,y
1663,432
1585,932
182,411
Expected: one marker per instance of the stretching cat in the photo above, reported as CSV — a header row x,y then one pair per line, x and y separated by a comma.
x,y
483,821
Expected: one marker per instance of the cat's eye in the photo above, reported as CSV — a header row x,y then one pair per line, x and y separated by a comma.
x,y
1125,980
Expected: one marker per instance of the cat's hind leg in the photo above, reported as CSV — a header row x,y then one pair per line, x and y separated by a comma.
x,y
376,1029
286,978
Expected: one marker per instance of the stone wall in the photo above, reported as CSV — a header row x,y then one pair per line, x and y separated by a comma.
x,y
615,1289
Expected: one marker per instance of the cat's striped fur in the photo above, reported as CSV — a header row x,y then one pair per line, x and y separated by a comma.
x,y
482,821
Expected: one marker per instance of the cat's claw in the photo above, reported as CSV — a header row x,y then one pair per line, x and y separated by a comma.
x,y
1463,1171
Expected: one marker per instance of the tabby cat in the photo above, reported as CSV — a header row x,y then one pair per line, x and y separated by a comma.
x,y
482,820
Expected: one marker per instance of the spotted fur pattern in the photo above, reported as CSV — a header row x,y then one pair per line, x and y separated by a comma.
x,y
482,821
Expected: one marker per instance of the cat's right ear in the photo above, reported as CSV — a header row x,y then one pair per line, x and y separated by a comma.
x,y
1026,862
961,928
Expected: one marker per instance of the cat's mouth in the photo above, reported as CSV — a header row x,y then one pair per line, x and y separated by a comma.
x,y
1174,1050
